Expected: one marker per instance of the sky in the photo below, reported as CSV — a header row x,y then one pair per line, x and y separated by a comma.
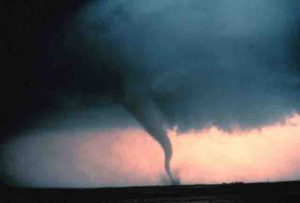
x,y
130,157
85,80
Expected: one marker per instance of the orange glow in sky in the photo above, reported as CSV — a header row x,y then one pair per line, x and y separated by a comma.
x,y
122,157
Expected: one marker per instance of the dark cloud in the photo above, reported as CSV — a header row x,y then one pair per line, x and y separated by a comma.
x,y
228,64
203,63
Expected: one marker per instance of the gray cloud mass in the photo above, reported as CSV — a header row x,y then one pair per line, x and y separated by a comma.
x,y
222,63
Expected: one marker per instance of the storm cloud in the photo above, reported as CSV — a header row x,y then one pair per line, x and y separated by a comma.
x,y
223,63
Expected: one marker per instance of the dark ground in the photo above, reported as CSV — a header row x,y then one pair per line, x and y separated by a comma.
x,y
236,192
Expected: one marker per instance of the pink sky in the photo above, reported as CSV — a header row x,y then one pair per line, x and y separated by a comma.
x,y
131,157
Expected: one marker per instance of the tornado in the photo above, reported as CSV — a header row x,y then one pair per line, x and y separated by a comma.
x,y
144,110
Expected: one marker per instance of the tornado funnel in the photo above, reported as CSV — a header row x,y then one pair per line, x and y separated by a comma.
x,y
145,111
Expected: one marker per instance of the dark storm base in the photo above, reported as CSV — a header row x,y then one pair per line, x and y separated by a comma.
x,y
237,192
